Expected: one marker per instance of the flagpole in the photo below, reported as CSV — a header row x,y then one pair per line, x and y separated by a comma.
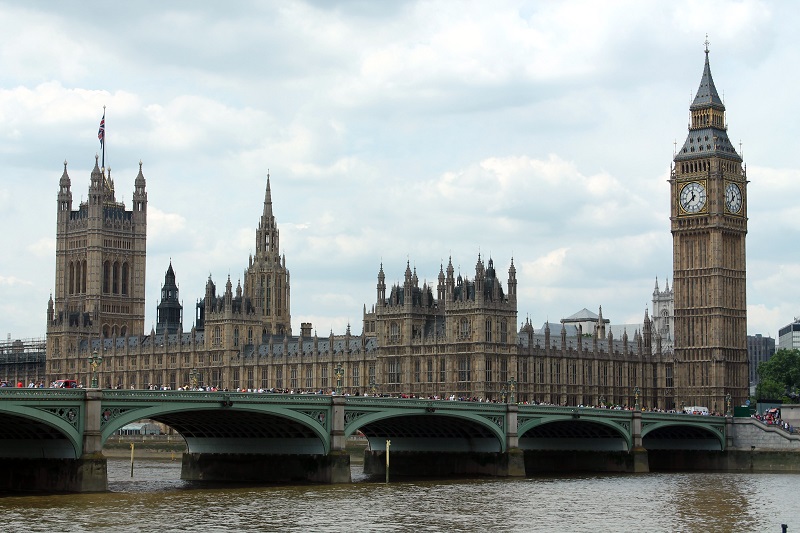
x,y
104,137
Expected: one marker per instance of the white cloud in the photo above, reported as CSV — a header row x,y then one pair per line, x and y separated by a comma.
x,y
398,132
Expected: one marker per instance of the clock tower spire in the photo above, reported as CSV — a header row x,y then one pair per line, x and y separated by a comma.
x,y
708,185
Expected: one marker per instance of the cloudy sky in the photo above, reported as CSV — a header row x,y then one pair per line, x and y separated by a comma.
x,y
395,132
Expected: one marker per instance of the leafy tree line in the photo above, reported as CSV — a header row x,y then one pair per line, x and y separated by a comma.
x,y
779,377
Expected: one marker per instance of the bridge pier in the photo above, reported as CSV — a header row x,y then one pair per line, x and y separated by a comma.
x,y
272,468
641,463
86,474
444,464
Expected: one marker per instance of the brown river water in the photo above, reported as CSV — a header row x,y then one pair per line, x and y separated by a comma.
x,y
156,500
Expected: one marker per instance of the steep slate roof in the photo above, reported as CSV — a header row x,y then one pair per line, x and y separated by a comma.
x,y
711,140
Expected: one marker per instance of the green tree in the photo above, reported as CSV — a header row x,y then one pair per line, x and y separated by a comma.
x,y
779,377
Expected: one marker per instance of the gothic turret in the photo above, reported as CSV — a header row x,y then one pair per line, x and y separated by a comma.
x,y
170,311
64,196
139,194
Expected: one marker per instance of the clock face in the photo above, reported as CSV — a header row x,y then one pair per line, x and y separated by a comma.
x,y
693,197
733,198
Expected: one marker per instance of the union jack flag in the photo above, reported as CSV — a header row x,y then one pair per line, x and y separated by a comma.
x,y
101,133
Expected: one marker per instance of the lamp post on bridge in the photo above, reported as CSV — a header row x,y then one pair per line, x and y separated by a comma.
x,y
373,387
194,377
602,401
728,405
636,392
94,361
339,372
512,387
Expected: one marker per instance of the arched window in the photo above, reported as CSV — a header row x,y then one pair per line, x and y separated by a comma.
x,y
394,332
236,336
125,278
488,331
217,336
115,283
71,278
83,277
78,277
107,277
464,330
504,331
249,335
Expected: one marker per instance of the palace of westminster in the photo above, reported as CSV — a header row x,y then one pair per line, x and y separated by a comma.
x,y
459,338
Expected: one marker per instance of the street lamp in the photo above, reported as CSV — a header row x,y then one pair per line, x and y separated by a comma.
x,y
503,395
339,372
373,387
194,377
636,392
512,387
728,404
602,401
94,361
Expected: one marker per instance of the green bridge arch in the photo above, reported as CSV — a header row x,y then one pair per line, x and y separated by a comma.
x,y
314,415
361,413
64,417
622,428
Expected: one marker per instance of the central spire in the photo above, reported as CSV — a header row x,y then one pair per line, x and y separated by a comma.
x,y
267,242
267,200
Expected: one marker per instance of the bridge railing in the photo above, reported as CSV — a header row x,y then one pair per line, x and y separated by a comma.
x,y
423,403
27,393
249,397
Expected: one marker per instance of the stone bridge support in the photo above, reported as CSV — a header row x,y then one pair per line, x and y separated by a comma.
x,y
514,460
641,464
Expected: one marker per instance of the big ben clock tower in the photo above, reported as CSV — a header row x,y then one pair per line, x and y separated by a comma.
x,y
708,186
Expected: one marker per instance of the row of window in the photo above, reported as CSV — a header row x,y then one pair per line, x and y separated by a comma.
x,y
463,331
116,277
542,373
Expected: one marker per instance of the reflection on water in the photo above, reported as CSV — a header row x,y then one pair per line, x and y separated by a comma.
x,y
155,498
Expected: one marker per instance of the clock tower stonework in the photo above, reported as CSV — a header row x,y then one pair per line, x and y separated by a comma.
x,y
708,184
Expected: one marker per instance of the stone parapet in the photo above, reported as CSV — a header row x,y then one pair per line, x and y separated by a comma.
x,y
748,433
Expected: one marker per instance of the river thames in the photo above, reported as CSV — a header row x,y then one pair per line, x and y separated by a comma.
x,y
156,499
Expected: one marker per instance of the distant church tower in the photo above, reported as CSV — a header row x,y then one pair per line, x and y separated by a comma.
x,y
708,186
170,311
100,269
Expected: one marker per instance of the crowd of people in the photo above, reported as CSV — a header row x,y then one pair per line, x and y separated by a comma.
x,y
772,417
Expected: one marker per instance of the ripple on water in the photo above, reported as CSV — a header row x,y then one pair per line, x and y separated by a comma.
x,y
155,498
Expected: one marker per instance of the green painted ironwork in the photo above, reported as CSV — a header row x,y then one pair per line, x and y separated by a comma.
x,y
64,410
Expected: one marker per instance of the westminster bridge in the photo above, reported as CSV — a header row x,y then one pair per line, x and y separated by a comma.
x,y
52,439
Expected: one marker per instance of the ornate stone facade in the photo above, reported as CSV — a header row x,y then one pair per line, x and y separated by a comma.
x,y
100,270
709,224
459,338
